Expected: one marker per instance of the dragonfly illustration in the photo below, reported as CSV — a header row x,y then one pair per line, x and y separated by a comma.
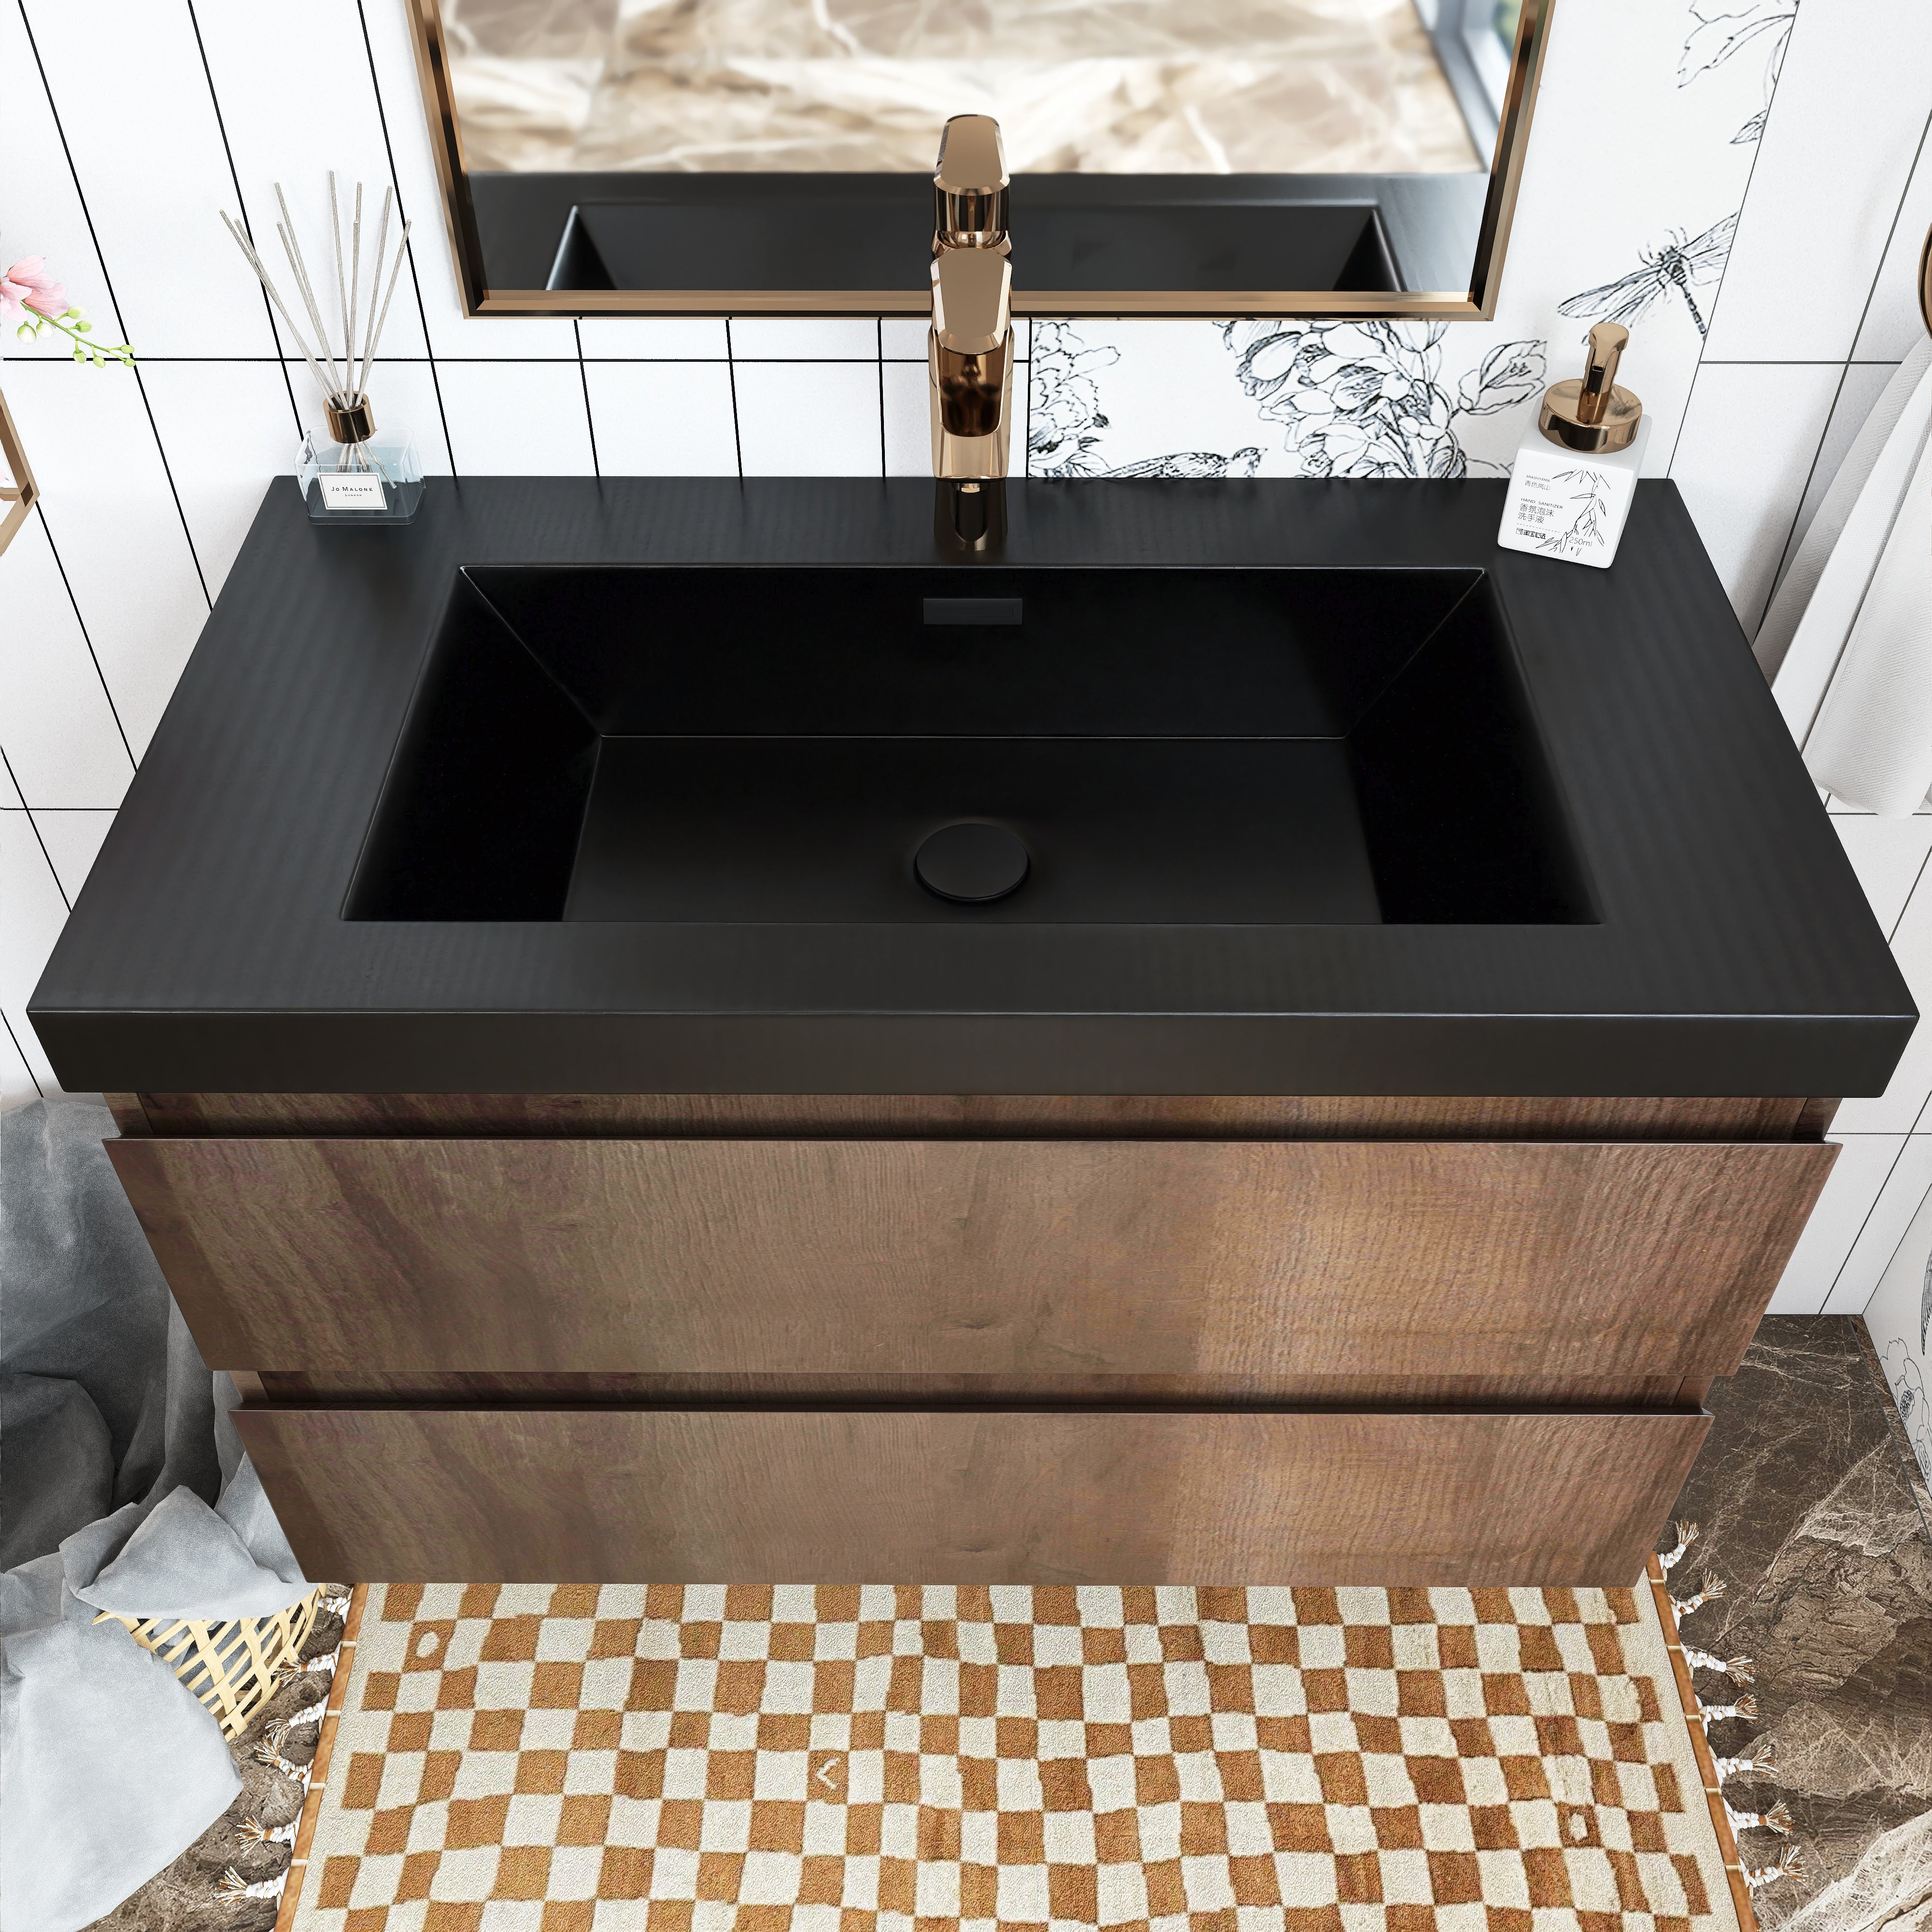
x,y
1679,265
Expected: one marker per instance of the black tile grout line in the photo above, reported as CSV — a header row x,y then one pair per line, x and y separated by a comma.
x,y
1905,1141
1858,329
121,329
731,376
120,320
38,1089
1717,296
1791,538
879,338
167,470
1858,1313
113,710
1891,931
589,415
1894,1426
415,282
1897,215
73,173
53,871
1797,509
241,201
1026,414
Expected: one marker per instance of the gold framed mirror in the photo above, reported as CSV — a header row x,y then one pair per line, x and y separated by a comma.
x,y
762,157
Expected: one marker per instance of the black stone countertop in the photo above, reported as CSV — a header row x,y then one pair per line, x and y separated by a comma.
x,y
1735,954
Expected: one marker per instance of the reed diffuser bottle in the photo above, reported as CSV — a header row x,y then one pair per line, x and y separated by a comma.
x,y
354,474
351,473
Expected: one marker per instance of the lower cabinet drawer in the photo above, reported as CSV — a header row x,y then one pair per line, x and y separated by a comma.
x,y
723,1495
1550,1260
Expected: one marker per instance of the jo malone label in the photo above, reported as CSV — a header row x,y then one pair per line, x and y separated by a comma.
x,y
352,493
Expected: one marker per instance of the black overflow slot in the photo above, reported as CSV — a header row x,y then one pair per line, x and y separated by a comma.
x,y
974,609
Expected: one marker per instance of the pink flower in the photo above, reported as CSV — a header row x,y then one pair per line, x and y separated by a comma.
x,y
27,285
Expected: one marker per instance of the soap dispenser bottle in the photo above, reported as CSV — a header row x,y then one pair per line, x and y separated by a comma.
x,y
1571,490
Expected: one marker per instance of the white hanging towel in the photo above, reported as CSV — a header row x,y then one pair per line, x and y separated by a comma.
x,y
1872,745
1903,393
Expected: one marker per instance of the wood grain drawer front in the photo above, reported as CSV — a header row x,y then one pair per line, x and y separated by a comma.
x,y
603,1495
1242,1258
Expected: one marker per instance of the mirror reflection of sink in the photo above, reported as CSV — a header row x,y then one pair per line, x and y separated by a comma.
x,y
1172,746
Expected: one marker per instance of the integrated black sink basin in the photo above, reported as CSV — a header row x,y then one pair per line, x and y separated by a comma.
x,y
617,785
1170,745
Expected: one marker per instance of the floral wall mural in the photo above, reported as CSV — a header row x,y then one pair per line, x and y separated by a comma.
x,y
1368,398
1900,1318
1404,399
1721,29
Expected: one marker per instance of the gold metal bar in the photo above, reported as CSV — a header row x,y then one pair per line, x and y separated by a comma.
x,y
23,493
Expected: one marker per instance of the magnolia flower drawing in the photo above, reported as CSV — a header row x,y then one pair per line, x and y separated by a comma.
x,y
1367,398
33,298
1063,417
1720,29
1908,1390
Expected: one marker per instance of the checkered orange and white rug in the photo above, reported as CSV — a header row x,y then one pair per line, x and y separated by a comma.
x,y
907,1758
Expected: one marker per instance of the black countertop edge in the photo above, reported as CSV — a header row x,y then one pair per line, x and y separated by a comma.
x,y
1690,1055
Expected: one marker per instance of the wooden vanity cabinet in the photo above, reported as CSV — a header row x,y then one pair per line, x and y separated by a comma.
x,y
800,1338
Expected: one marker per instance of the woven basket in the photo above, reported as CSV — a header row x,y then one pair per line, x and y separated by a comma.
x,y
233,1666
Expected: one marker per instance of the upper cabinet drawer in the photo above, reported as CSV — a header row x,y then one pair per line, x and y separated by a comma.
x,y
1252,1259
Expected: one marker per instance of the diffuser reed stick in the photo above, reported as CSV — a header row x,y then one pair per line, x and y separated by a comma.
x,y
346,390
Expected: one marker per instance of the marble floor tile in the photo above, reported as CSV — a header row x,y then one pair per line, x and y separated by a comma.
x,y
1811,1514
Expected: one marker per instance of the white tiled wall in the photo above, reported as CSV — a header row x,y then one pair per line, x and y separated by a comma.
x,y
1820,305
128,123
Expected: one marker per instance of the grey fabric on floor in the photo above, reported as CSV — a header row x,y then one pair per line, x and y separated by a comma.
x,y
123,1487
187,1560
86,1304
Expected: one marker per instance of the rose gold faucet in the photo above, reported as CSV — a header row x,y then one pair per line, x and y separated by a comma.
x,y
969,348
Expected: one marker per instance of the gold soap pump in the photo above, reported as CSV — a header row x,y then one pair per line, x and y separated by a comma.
x,y
1570,501
1592,414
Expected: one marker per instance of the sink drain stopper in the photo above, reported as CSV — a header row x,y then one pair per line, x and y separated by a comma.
x,y
971,863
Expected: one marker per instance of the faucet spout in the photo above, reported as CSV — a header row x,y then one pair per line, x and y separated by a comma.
x,y
970,345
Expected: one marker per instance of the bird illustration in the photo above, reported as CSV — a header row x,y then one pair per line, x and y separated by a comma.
x,y
1194,464
1679,264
